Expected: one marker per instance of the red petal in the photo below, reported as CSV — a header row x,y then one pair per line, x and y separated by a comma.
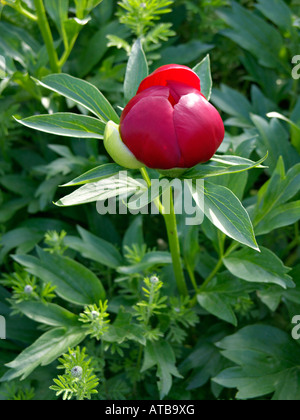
x,y
171,72
199,128
154,91
148,131
178,89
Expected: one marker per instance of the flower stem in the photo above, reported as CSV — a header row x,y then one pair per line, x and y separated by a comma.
x,y
170,220
171,224
47,35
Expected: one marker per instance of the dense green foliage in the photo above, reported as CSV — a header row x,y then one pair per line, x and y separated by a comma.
x,y
96,295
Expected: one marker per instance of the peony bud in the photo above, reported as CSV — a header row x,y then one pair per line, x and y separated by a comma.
x,y
169,124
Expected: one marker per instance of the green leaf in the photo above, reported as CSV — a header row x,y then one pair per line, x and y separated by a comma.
x,y
124,329
66,124
295,128
264,267
226,212
96,174
235,104
24,239
222,165
204,72
97,47
81,92
284,215
102,190
161,354
74,282
48,313
254,34
220,296
58,11
205,360
278,12
44,351
274,194
267,360
137,70
274,139
95,249
217,305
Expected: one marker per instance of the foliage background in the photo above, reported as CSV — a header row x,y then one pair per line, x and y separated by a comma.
x,y
236,341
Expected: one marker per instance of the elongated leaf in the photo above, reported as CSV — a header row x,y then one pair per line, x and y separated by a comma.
x,y
66,124
264,267
204,73
274,139
22,238
44,351
254,34
74,282
278,12
81,92
102,190
234,104
94,248
285,215
49,314
226,212
281,188
137,70
295,128
96,174
222,165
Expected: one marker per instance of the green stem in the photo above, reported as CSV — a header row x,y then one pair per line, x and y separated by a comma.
x,y
170,220
47,35
26,13
19,8
67,52
212,274
219,265
192,276
171,224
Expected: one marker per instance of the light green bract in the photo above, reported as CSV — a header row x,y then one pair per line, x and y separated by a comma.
x,y
117,149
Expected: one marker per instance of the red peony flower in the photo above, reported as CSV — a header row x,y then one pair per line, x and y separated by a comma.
x,y
169,123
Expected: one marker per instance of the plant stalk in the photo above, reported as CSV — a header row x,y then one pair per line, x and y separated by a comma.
x,y
171,225
47,35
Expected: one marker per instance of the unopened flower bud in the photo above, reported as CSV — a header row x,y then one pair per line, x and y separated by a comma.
x,y
95,314
154,280
76,372
28,289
